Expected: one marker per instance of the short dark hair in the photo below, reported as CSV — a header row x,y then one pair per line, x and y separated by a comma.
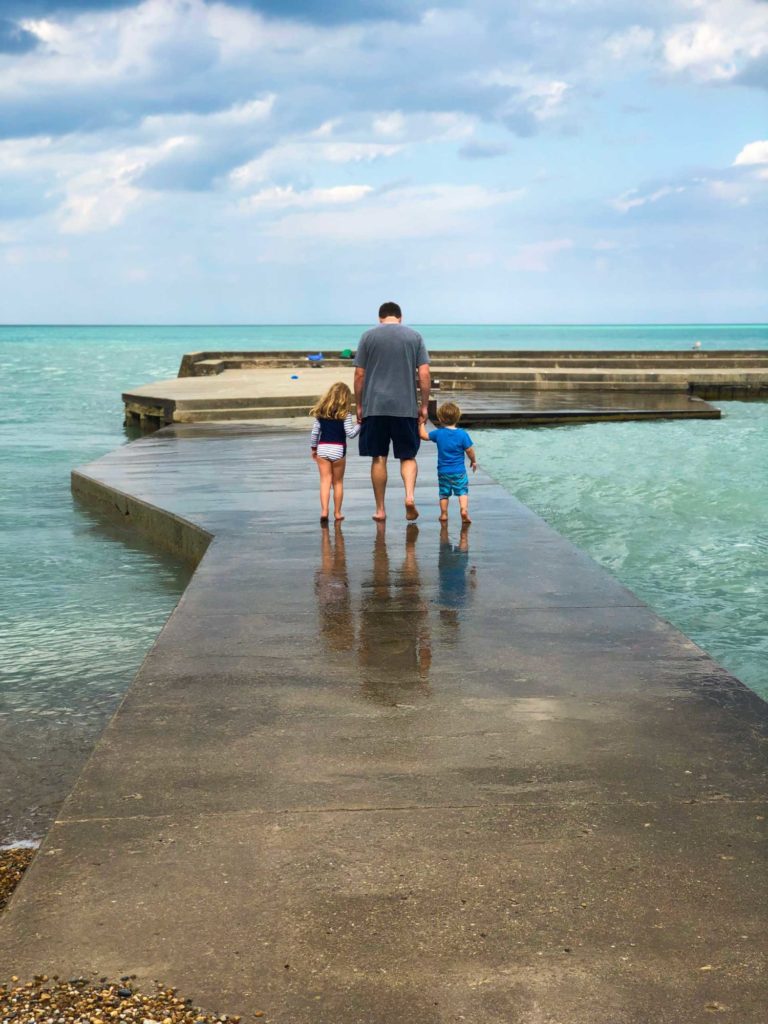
x,y
389,309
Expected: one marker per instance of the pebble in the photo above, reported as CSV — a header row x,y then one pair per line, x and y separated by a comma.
x,y
13,864
78,1000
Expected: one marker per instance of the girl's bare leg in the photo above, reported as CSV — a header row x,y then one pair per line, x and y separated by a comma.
x,y
464,507
337,469
443,510
326,472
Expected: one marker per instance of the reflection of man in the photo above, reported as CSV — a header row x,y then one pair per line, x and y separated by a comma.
x,y
332,589
394,648
388,361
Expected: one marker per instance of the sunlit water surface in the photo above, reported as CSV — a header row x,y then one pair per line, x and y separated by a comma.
x,y
676,510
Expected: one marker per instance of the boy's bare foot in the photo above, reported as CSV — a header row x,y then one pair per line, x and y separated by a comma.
x,y
411,512
465,518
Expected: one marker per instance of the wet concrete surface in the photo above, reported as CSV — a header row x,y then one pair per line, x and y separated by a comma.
x,y
552,407
404,772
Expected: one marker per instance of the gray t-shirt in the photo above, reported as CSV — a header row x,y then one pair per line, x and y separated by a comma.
x,y
390,354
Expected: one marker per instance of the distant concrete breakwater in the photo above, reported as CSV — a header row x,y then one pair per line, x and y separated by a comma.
x,y
498,388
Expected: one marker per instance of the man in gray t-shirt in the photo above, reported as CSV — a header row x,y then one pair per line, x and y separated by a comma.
x,y
390,359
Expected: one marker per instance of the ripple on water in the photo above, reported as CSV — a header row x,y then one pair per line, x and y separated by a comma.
x,y
675,509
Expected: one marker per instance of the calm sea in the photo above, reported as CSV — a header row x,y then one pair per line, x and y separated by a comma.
x,y
676,510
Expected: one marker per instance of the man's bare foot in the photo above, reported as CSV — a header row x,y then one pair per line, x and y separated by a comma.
x,y
411,512
323,520
338,517
443,519
379,517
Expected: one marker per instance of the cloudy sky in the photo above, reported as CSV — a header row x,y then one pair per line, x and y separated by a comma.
x,y
288,161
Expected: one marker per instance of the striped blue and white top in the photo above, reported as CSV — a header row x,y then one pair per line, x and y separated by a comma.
x,y
329,437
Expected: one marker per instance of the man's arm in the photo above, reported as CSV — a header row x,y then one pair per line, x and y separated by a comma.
x,y
425,384
359,382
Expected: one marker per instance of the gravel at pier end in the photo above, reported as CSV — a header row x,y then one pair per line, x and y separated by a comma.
x,y
79,1001
13,863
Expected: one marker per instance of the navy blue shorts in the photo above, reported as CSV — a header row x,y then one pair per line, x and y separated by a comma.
x,y
377,431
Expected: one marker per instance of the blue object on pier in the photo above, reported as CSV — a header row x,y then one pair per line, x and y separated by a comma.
x,y
317,358
294,376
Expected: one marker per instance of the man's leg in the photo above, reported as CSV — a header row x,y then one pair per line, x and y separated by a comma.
x,y
405,445
379,482
409,470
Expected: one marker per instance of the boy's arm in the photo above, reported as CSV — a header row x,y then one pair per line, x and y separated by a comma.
x,y
423,433
472,457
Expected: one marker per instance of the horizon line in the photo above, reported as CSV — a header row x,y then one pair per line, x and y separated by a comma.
x,y
657,323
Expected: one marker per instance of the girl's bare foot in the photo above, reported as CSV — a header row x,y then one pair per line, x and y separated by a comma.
x,y
323,520
338,517
411,512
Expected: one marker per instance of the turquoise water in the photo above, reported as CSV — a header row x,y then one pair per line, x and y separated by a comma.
x,y
608,337
676,510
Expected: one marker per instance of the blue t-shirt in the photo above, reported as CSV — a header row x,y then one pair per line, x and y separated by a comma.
x,y
451,445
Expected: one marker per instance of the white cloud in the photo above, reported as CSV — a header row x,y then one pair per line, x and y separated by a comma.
x,y
725,37
630,200
238,116
356,152
391,123
543,96
728,191
295,156
753,153
536,257
99,190
636,41
423,212
285,197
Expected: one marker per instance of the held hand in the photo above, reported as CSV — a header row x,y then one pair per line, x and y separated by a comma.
x,y
359,414
423,414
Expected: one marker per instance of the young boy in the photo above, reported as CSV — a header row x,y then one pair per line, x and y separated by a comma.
x,y
452,443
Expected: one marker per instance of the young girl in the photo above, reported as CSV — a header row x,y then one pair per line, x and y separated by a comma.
x,y
333,425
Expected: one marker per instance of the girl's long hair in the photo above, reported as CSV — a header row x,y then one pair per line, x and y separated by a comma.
x,y
335,403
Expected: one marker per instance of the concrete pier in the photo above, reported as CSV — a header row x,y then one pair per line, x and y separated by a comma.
x,y
214,386
402,773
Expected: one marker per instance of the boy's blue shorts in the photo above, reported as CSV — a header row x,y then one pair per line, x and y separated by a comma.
x,y
452,483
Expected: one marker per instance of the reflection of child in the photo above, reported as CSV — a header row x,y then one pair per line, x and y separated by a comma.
x,y
333,598
333,425
452,444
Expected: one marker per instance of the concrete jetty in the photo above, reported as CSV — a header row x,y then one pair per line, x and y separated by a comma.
x,y
602,385
373,774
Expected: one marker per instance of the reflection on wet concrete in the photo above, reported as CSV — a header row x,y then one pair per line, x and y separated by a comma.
x,y
456,581
334,604
394,645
